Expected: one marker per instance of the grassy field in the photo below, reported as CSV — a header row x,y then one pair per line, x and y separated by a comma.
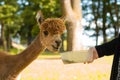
x,y
51,67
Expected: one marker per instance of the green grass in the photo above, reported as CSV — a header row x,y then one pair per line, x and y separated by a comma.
x,y
49,55
12,51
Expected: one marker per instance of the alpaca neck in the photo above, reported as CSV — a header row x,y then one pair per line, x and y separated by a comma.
x,y
28,55
32,51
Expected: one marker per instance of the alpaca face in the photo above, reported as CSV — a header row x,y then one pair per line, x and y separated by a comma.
x,y
51,30
52,42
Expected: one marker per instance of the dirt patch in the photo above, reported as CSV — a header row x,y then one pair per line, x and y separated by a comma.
x,y
55,70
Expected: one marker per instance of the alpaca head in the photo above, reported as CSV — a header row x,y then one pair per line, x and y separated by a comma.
x,y
51,30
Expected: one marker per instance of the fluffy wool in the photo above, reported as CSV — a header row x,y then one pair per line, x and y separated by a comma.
x,y
53,25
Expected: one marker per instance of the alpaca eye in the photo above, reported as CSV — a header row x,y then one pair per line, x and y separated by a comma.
x,y
45,33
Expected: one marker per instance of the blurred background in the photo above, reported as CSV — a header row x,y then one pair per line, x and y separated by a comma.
x,y
88,23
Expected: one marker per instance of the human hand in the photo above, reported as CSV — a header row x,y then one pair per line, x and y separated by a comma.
x,y
95,54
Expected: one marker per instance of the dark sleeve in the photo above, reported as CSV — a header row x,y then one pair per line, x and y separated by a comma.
x,y
108,48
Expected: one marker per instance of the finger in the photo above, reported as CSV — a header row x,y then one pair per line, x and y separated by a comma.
x,y
89,62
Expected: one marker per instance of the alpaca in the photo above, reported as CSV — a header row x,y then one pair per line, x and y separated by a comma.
x,y
49,38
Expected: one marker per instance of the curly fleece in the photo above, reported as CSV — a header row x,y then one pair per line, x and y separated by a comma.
x,y
53,25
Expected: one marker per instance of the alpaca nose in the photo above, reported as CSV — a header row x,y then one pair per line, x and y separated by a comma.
x,y
58,42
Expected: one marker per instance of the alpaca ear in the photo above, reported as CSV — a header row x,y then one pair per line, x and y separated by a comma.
x,y
63,18
39,17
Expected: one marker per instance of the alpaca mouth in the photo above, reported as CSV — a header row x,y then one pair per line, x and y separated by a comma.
x,y
56,48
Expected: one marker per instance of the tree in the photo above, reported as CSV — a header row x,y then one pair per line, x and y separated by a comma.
x,y
114,11
104,14
96,14
73,14
8,21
